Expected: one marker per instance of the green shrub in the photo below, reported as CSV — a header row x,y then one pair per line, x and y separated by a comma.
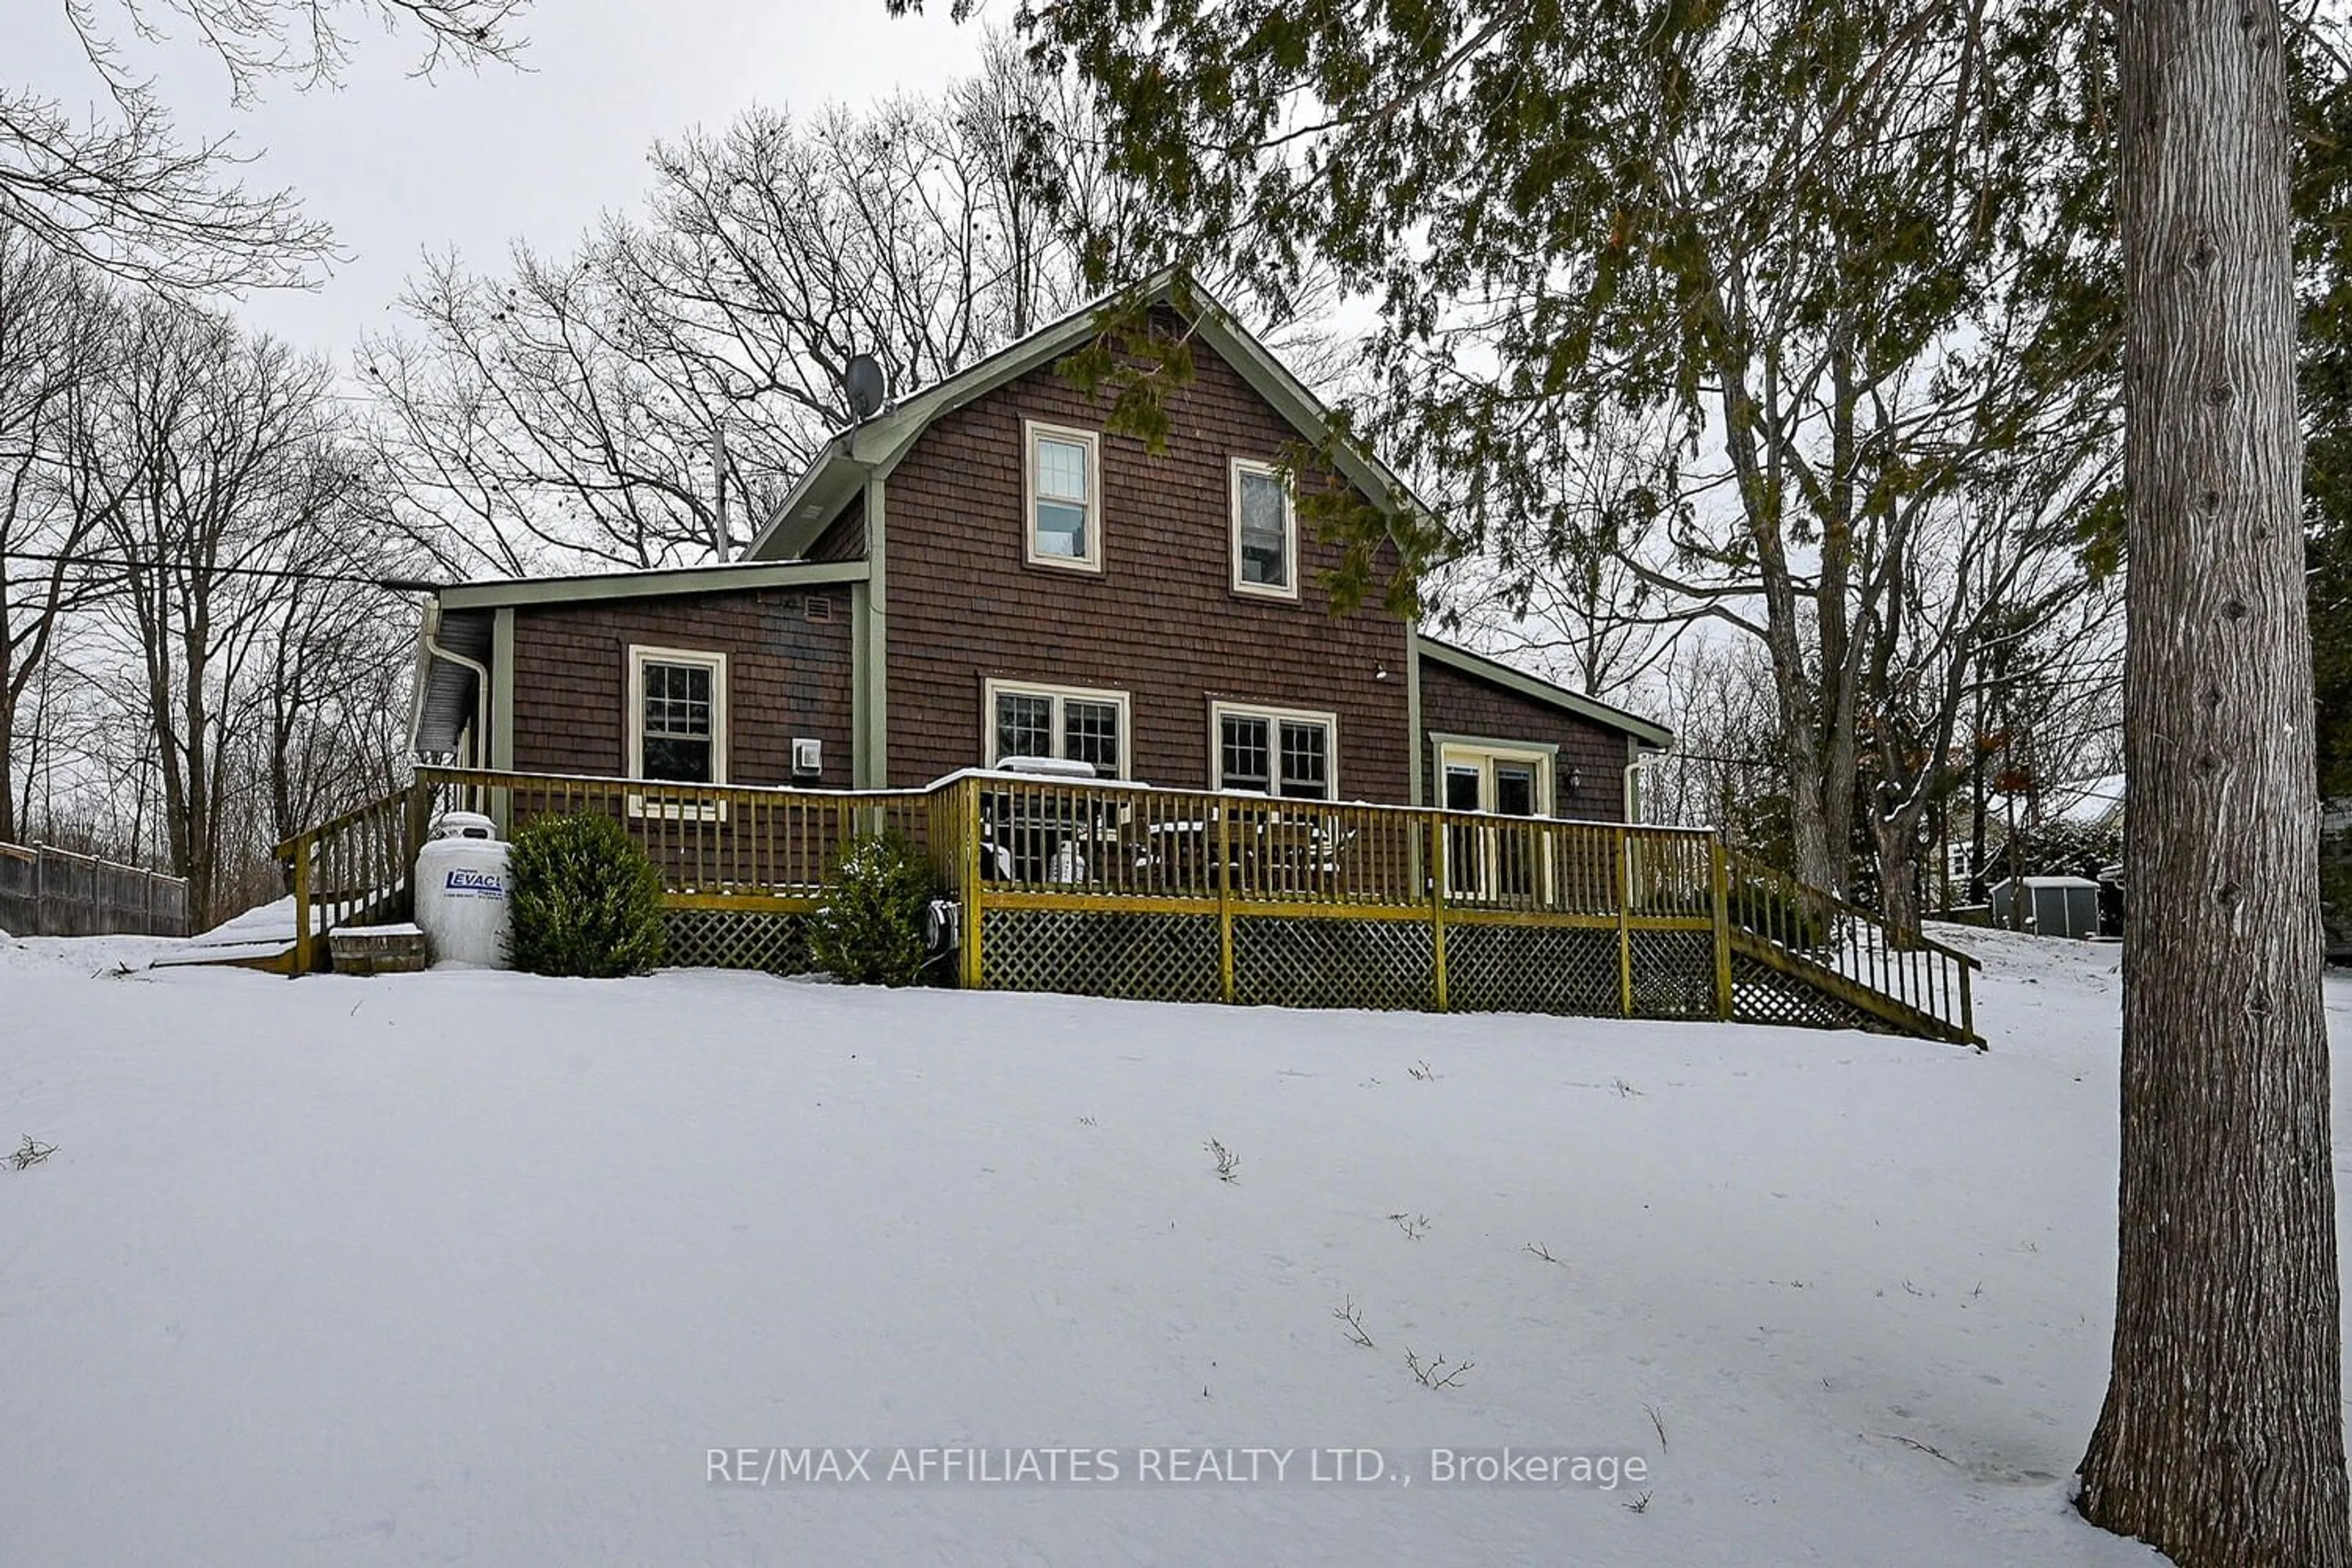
x,y
583,899
868,929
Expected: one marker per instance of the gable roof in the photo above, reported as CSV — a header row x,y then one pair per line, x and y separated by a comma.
x,y
871,449
1539,690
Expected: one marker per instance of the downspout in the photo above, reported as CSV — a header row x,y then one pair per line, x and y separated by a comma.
x,y
1632,782
481,684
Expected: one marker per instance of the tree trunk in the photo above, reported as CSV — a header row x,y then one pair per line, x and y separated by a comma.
x,y
2222,1441
1896,839
7,743
2018,896
1979,888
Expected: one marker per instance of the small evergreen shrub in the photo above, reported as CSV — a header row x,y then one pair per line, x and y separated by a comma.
x,y
868,931
583,899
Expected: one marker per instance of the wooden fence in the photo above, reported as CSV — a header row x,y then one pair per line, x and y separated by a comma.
x,y
1120,890
47,891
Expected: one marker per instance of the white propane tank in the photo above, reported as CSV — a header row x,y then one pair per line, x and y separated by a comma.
x,y
461,901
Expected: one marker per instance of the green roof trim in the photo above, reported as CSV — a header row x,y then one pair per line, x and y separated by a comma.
x,y
875,446
1540,691
733,577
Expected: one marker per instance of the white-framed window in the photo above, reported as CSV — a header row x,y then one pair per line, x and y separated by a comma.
x,y
1264,531
1499,779
1062,496
1073,723
677,720
1288,751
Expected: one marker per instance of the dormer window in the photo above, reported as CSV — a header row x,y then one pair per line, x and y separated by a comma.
x,y
1266,532
1064,490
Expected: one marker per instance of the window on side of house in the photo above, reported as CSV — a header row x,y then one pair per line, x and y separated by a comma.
x,y
1063,489
1265,533
1280,751
677,730
1072,723
677,715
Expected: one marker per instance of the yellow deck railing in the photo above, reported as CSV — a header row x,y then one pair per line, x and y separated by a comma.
x,y
1004,843
352,869
1801,930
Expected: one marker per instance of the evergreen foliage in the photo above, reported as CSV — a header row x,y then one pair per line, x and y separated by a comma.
x,y
584,899
2061,847
869,929
1829,282
2323,198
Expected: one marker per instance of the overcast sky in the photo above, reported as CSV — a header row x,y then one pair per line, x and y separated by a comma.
x,y
400,165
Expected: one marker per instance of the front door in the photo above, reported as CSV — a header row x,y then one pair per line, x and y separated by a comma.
x,y
1497,862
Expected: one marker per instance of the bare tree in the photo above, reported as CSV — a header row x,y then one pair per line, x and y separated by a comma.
x,y
1720,694
2221,1439
1979,585
342,652
578,408
52,321
1556,586
223,485
123,194
575,406
531,421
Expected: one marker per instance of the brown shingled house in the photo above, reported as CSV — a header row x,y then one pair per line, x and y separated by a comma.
x,y
981,570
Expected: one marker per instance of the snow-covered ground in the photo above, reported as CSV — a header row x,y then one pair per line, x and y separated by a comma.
x,y
474,1268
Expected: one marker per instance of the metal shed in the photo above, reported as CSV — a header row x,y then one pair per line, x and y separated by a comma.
x,y
2055,906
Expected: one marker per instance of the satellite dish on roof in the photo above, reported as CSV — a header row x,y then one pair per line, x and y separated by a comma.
x,y
868,388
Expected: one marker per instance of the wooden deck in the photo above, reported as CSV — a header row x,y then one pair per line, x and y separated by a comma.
x,y
1117,889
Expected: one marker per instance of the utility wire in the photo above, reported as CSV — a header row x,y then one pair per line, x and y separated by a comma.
x,y
280,573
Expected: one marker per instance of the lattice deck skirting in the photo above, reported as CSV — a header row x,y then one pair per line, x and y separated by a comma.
x,y
737,939
1674,973
1312,960
1761,994
1087,952
1532,969
1292,962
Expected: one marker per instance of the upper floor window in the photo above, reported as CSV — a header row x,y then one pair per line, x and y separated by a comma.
x,y
1265,533
1276,750
1073,723
1063,491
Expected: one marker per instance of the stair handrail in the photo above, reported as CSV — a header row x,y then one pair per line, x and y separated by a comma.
x,y
1910,970
342,847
